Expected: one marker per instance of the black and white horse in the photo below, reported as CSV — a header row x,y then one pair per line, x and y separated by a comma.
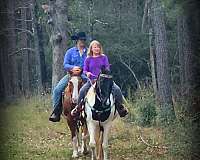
x,y
100,112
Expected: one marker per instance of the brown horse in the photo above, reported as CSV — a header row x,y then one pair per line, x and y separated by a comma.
x,y
77,126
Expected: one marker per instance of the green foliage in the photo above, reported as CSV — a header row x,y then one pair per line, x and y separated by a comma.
x,y
144,108
117,26
179,134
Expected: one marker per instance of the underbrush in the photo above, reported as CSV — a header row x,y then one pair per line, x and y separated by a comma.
x,y
176,136
27,134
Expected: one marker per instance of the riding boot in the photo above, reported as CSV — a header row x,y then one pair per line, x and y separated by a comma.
x,y
121,110
77,110
55,116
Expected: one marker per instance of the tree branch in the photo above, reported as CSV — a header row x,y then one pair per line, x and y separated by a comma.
x,y
133,73
96,20
20,29
26,20
147,144
22,49
144,15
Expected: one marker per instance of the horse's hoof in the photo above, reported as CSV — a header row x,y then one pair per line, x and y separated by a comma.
x,y
75,155
85,152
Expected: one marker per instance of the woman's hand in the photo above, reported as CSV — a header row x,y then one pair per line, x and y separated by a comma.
x,y
88,74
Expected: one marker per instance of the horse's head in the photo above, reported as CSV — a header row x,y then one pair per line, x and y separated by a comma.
x,y
74,86
104,85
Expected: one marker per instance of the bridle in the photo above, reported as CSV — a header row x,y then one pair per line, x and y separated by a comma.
x,y
98,87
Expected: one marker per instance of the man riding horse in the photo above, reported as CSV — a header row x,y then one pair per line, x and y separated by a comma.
x,y
73,62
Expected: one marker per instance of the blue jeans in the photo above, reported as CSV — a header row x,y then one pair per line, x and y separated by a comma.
x,y
83,91
115,90
57,92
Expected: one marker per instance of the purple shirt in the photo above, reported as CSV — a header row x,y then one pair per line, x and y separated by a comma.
x,y
94,64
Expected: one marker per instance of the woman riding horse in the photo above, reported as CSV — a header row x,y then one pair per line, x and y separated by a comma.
x,y
92,67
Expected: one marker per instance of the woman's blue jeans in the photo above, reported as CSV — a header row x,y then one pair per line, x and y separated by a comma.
x,y
115,90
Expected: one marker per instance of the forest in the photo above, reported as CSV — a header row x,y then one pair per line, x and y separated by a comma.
x,y
153,49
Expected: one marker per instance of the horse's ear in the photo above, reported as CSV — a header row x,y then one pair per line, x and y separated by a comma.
x,y
70,72
104,70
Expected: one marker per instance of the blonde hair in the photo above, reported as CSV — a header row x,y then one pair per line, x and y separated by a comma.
x,y
90,53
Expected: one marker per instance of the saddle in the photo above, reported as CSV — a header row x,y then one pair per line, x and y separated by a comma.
x,y
99,112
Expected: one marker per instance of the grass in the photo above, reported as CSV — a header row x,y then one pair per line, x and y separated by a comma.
x,y
26,134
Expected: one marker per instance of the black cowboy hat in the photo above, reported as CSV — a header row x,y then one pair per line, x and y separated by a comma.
x,y
79,36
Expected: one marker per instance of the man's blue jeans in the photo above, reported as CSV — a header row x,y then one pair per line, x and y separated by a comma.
x,y
57,92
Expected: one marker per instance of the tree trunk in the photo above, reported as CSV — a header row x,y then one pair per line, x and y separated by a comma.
x,y
38,47
191,10
153,63
9,80
185,57
161,51
12,48
2,53
23,42
58,11
147,11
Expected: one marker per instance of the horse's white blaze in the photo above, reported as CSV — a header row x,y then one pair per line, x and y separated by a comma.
x,y
93,126
74,80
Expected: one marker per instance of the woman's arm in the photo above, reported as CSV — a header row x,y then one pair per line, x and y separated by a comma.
x,y
106,63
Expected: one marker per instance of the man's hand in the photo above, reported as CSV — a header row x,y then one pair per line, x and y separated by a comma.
x,y
76,70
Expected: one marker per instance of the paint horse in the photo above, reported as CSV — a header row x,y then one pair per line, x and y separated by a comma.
x,y
100,111
76,125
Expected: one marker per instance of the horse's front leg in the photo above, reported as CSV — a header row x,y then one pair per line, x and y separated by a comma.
x,y
105,141
92,143
84,140
72,126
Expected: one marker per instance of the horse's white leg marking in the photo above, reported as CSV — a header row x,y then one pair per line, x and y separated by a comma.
x,y
75,147
105,140
84,143
92,143
79,136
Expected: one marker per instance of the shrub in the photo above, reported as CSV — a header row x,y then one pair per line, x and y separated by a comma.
x,y
144,107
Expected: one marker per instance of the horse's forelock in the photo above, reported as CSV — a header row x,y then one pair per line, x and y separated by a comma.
x,y
104,85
